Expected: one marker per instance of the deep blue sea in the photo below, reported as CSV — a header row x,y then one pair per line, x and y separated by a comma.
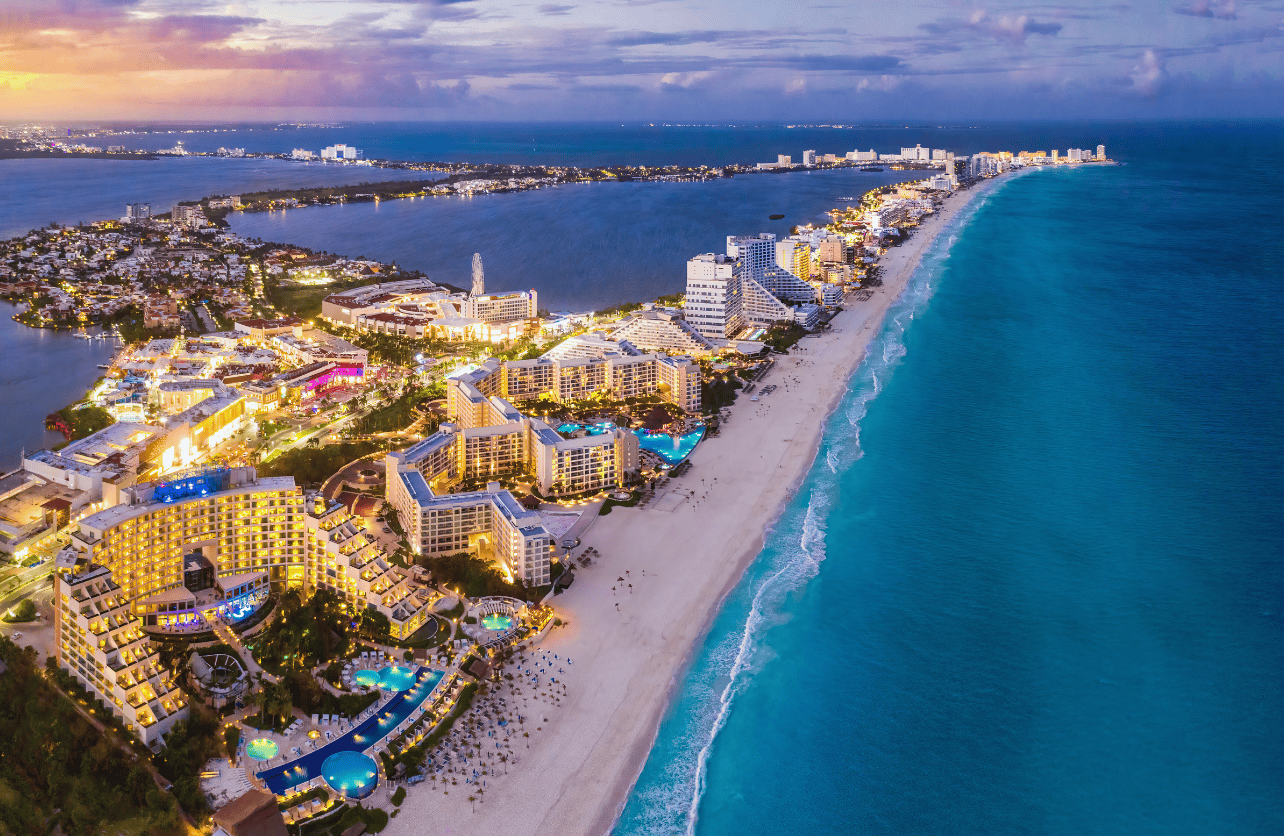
x,y
1034,581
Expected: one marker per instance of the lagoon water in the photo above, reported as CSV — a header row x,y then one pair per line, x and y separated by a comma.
x,y
583,247
42,372
69,191
1033,582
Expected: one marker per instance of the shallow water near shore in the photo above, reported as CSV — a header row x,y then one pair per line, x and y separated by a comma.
x,y
1032,580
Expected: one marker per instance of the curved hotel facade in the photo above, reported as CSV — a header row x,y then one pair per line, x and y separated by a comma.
x,y
209,545
246,531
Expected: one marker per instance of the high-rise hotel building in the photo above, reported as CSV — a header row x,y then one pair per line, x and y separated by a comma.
x,y
207,545
100,642
248,530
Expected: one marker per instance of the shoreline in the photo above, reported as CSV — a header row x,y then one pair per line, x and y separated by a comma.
x,y
905,272
633,647
77,155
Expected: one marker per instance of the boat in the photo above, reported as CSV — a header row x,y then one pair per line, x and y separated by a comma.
x,y
870,168
103,366
847,198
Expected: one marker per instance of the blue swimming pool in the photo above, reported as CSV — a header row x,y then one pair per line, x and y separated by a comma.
x,y
665,446
351,774
283,779
396,678
670,448
390,678
495,621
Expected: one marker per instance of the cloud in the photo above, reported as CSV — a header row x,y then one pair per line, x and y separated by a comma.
x,y
882,84
1009,28
686,82
198,28
1220,9
447,10
1148,74
837,63
669,38
77,57
581,87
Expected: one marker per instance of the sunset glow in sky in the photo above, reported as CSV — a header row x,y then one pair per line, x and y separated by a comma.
x,y
713,60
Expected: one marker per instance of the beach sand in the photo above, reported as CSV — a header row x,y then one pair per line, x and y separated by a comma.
x,y
580,766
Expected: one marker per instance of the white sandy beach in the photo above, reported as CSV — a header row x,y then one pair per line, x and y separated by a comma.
x,y
579,768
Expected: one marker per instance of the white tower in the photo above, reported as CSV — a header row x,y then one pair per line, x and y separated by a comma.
x,y
479,278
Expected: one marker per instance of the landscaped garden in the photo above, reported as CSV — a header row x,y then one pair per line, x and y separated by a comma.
x,y
309,634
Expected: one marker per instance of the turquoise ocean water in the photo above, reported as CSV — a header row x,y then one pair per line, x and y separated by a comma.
x,y
1033,580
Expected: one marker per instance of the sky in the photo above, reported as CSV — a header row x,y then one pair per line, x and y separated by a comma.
x,y
676,60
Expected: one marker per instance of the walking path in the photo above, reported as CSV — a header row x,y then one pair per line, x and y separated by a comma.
x,y
228,635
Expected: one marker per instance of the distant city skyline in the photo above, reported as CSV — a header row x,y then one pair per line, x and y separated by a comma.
x,y
641,59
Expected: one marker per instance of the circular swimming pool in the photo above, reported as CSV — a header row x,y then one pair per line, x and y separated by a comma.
x,y
261,749
396,678
351,774
369,679
498,622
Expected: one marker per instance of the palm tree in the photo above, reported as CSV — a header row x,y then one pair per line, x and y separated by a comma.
x,y
473,800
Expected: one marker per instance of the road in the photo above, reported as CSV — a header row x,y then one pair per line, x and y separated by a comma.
x,y
17,586
206,319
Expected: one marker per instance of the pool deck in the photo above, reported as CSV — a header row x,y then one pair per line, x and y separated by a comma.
x,y
647,439
297,751
366,734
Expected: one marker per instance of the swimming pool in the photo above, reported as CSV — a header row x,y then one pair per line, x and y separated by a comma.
x,y
391,678
261,749
498,622
396,678
351,774
285,778
594,429
671,450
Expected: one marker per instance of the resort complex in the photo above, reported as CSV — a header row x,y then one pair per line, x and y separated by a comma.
x,y
207,548
420,309
327,545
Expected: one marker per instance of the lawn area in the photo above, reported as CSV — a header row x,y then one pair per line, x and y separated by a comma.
x,y
316,464
623,503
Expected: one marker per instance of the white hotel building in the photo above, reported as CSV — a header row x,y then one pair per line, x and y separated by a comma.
x,y
491,522
100,642
746,287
